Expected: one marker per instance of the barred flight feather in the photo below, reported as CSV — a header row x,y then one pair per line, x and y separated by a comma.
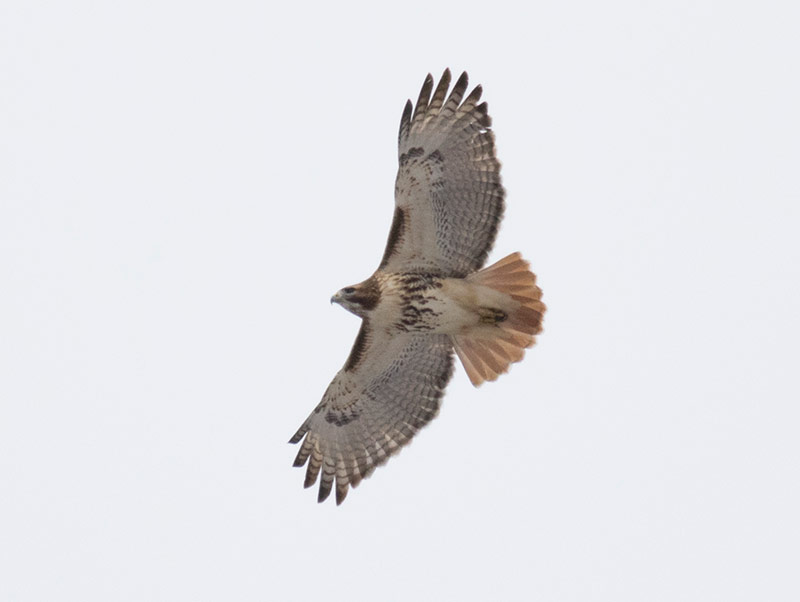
x,y
449,201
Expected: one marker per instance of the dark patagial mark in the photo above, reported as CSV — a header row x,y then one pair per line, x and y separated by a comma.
x,y
395,235
360,345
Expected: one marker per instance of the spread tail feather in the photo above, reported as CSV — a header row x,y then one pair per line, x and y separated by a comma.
x,y
487,351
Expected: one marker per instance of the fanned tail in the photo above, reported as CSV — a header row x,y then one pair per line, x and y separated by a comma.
x,y
504,332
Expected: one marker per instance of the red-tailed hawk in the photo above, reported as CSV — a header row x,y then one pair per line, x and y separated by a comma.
x,y
428,296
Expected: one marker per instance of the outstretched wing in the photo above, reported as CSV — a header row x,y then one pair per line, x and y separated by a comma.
x,y
448,195
390,387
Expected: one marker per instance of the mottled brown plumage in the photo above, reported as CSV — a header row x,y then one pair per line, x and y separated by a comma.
x,y
427,297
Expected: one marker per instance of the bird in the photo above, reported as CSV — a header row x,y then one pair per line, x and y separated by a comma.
x,y
430,295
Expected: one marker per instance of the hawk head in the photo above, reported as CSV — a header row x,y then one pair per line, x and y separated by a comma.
x,y
359,299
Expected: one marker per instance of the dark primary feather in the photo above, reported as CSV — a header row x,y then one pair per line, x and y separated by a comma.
x,y
448,183
373,409
422,99
448,205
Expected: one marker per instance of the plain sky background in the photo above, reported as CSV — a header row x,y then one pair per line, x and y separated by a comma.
x,y
183,185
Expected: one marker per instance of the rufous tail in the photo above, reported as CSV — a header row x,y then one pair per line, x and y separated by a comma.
x,y
504,332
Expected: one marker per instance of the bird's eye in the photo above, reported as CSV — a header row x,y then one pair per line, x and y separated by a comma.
x,y
349,290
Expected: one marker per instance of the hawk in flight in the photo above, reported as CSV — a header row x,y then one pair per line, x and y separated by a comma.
x,y
428,297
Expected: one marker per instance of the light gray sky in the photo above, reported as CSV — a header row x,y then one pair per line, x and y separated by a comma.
x,y
183,186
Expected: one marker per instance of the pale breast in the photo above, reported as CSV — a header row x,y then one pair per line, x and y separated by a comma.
x,y
414,302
